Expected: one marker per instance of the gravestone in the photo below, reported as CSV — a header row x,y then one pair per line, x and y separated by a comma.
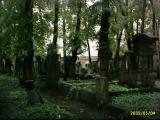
x,y
144,47
52,69
33,94
8,66
2,65
102,96
138,62
40,65
67,63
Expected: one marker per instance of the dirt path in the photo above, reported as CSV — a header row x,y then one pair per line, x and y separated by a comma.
x,y
82,111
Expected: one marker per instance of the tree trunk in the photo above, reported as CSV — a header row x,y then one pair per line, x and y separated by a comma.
x,y
76,41
116,58
64,50
143,16
104,54
55,33
64,39
153,19
128,37
158,28
89,53
28,32
137,30
52,63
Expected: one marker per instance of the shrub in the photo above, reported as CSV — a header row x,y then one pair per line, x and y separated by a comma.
x,y
13,104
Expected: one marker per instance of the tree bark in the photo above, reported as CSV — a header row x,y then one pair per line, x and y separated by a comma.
x,y
28,33
137,30
52,63
158,28
116,58
104,54
64,37
76,41
55,33
128,32
89,53
143,15
64,50
153,19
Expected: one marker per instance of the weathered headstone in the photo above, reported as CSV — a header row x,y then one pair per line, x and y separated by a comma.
x,y
8,66
102,96
67,67
138,63
144,47
33,95
53,69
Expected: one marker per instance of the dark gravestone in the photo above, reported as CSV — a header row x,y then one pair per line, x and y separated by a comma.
x,y
1,65
33,95
52,67
67,67
3,62
139,61
8,66
18,67
18,71
41,65
78,67
27,68
144,47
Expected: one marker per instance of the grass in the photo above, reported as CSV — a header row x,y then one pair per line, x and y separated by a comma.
x,y
13,103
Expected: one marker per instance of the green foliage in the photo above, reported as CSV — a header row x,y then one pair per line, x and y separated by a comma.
x,y
138,101
13,103
116,88
90,86
41,28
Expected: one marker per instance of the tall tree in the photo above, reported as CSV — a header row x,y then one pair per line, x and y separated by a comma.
x,y
104,53
153,18
76,39
52,57
55,33
28,33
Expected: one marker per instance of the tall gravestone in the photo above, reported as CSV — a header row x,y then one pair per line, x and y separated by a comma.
x,y
144,47
1,65
52,69
8,66
138,63
67,67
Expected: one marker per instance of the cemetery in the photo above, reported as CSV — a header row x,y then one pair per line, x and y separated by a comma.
x,y
94,59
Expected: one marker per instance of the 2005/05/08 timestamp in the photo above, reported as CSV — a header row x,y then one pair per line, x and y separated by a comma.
x,y
142,113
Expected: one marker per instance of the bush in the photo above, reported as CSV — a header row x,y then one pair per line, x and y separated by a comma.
x,y
13,104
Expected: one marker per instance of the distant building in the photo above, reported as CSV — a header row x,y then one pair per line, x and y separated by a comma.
x,y
84,60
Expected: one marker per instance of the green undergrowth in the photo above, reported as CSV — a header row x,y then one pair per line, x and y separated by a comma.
x,y
116,88
77,88
138,101
13,103
91,86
